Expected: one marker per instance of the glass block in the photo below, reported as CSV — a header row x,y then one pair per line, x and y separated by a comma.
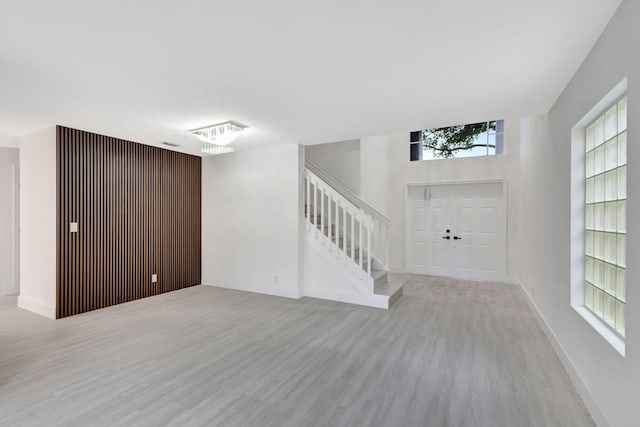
x,y
610,247
598,216
622,182
588,296
609,310
620,318
621,286
591,134
622,114
599,189
599,161
589,220
588,243
588,269
622,216
590,166
610,216
599,241
622,149
598,273
589,187
599,134
611,154
621,255
611,123
598,302
611,185
610,283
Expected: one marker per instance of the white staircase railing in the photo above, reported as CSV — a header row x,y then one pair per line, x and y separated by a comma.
x,y
351,228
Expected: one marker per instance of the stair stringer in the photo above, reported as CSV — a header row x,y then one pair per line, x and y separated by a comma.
x,y
326,276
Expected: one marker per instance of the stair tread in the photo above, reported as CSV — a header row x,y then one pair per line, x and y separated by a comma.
x,y
389,288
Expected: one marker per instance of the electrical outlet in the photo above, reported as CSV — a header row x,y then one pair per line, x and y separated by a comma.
x,y
73,227
275,279
154,278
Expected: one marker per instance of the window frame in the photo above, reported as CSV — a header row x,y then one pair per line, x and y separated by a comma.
x,y
498,135
578,210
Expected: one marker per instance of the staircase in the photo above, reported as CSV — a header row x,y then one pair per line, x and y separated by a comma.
x,y
349,237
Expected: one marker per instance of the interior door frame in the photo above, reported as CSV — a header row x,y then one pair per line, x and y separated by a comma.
x,y
505,195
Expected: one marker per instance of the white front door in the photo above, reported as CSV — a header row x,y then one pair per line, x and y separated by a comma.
x,y
457,231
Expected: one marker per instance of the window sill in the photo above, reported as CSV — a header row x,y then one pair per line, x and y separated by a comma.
x,y
611,337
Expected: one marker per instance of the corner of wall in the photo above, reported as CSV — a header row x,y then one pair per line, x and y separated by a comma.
x,y
38,222
37,307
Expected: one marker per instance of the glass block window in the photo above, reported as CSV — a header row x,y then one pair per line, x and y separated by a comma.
x,y
606,216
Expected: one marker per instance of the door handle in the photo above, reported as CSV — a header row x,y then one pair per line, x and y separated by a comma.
x,y
457,238
446,237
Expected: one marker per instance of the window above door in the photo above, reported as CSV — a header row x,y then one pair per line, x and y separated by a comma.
x,y
468,140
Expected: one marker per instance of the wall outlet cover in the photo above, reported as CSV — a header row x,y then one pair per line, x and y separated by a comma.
x,y
154,278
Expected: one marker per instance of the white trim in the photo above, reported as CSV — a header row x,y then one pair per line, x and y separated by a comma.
x,y
278,292
37,307
505,196
587,397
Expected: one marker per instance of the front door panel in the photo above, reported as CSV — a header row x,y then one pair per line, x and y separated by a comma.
x,y
458,231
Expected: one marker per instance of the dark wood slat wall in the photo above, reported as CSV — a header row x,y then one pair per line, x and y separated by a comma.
x,y
138,210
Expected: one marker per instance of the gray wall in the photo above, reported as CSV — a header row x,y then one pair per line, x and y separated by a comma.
x,y
9,220
613,381
340,159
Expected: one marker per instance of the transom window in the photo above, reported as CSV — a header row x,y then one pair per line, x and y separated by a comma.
x,y
606,216
470,140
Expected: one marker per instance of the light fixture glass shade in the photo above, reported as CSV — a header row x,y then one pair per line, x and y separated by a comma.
x,y
213,150
219,134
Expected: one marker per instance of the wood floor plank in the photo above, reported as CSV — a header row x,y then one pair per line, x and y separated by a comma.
x,y
448,353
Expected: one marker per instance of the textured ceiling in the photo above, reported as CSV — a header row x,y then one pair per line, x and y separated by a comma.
x,y
295,71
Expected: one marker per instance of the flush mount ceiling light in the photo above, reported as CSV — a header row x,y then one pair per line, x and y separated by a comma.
x,y
212,150
220,134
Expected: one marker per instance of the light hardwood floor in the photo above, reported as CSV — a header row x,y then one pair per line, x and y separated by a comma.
x,y
448,353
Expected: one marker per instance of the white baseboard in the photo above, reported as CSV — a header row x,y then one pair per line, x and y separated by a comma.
x,y
36,307
589,401
373,300
278,292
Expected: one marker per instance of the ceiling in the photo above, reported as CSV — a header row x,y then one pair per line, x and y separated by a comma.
x,y
295,71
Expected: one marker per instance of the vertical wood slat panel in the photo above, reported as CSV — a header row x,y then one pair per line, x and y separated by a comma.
x,y
138,210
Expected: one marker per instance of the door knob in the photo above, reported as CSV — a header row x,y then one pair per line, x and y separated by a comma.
x,y
457,238
446,237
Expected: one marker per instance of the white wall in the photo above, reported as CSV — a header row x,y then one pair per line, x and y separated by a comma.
x,y
9,221
252,220
340,159
609,382
374,171
38,222
387,193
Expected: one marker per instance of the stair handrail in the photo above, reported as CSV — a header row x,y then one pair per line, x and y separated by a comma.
x,y
346,192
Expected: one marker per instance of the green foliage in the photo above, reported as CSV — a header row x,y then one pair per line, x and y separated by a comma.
x,y
445,142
